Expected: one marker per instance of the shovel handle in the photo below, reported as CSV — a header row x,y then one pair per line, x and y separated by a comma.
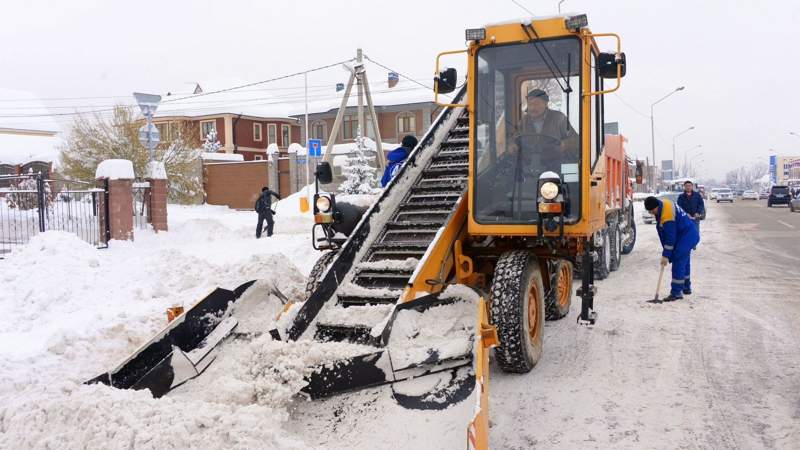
x,y
660,276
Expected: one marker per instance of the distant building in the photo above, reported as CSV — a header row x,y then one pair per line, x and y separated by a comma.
x,y
30,144
785,170
244,122
403,109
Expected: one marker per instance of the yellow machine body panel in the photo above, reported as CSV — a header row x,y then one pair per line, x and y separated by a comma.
x,y
591,216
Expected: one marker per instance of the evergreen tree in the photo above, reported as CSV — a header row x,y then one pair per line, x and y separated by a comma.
x,y
359,170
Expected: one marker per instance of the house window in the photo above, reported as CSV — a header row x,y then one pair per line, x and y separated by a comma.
x,y
350,125
272,133
285,133
174,130
207,127
258,157
406,123
257,132
319,130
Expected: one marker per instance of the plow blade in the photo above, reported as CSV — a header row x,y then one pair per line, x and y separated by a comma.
x,y
182,350
448,359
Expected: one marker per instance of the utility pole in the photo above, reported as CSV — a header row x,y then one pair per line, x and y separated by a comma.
x,y
653,130
674,161
308,150
360,90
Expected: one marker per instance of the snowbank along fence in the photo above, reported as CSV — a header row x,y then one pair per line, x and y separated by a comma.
x,y
31,204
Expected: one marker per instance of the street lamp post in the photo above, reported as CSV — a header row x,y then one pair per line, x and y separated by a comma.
x,y
689,170
653,130
674,163
686,152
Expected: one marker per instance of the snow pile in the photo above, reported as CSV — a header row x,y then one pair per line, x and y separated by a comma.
x,y
390,264
115,169
446,330
360,200
156,170
221,156
69,415
367,315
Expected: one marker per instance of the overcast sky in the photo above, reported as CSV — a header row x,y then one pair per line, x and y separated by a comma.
x,y
738,60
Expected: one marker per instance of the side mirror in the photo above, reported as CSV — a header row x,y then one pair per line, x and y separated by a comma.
x,y
445,82
323,173
607,64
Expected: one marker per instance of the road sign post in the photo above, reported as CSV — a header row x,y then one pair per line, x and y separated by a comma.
x,y
149,135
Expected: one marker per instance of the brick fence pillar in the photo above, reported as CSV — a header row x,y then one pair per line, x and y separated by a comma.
x,y
157,208
119,175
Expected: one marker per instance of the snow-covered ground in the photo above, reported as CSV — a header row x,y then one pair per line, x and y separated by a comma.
x,y
715,371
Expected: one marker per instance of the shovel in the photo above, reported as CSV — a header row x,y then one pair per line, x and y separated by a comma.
x,y
658,287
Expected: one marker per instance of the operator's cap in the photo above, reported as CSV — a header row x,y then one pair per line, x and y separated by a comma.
x,y
538,93
650,203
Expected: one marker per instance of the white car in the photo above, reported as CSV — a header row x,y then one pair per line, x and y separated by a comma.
x,y
724,195
713,194
750,195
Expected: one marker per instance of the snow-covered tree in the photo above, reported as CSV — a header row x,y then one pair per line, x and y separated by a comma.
x,y
211,144
359,170
24,195
93,139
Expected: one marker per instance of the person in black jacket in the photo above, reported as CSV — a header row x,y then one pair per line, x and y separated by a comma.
x,y
692,203
264,209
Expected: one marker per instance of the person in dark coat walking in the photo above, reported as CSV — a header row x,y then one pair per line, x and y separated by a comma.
x,y
264,209
692,203
396,158
679,236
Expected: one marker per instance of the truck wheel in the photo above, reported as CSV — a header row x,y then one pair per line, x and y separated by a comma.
x,y
630,237
603,264
518,311
560,298
315,276
615,245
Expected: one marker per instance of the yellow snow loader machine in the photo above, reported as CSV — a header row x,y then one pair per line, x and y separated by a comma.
x,y
471,246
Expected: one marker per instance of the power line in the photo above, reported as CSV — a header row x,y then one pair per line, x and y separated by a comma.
x,y
619,97
103,110
398,73
270,80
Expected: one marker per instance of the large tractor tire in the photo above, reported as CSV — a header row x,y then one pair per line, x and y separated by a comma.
x,y
315,276
602,266
615,245
629,238
518,311
560,298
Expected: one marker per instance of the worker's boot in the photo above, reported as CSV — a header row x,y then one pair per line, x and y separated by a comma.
x,y
673,297
687,291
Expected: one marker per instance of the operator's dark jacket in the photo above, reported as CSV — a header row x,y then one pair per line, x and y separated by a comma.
x,y
555,125
264,202
692,204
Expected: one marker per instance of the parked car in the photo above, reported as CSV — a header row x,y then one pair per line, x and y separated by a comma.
x,y
763,194
794,204
739,192
750,195
779,195
713,194
649,218
724,195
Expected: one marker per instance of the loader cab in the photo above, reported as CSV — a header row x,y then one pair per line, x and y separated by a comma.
x,y
536,126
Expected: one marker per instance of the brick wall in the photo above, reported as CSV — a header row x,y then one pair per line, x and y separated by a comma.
x,y
236,185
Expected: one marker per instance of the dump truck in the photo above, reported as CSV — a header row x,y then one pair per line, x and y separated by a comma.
x,y
468,250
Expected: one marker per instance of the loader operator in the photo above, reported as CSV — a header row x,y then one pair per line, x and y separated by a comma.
x,y
264,209
679,236
546,132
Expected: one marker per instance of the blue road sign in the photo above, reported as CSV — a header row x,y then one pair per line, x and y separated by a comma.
x,y
315,147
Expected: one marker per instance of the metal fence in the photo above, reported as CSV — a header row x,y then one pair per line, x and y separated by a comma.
x,y
30,204
141,200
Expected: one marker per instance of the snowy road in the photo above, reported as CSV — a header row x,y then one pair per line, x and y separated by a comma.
x,y
720,370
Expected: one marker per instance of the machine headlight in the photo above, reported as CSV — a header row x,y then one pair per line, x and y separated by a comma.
x,y
323,204
549,190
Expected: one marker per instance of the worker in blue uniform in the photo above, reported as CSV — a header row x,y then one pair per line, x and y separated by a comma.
x,y
692,203
679,236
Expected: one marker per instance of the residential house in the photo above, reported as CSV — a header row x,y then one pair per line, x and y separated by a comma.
x,y
241,123
27,144
403,109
